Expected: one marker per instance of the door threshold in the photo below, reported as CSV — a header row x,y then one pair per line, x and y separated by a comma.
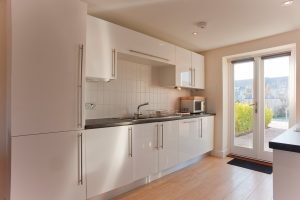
x,y
250,160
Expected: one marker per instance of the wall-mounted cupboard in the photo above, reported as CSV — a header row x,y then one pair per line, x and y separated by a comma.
x,y
106,42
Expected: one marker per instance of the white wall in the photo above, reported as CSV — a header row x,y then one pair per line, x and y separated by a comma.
x,y
3,64
136,84
214,84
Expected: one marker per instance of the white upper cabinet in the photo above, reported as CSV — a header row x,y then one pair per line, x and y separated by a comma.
x,y
47,65
183,68
101,55
48,167
138,44
105,41
198,71
108,159
188,72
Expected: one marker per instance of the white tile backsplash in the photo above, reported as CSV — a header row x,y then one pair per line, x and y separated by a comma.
x,y
135,84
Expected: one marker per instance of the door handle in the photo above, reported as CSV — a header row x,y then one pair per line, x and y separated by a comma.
x,y
157,142
80,160
113,72
79,86
255,106
194,77
130,141
201,128
162,136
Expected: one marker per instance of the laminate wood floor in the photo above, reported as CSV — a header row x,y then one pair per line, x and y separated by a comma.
x,y
210,179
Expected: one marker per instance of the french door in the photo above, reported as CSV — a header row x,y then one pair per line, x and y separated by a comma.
x,y
259,103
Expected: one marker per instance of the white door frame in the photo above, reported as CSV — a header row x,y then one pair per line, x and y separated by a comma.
x,y
258,139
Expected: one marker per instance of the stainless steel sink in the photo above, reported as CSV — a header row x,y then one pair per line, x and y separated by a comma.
x,y
146,119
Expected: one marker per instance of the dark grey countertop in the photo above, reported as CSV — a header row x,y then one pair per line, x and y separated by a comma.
x,y
287,141
112,122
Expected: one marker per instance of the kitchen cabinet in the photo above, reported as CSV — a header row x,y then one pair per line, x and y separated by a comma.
x,y
48,166
108,159
198,71
184,70
189,139
47,53
105,43
145,146
168,135
188,72
196,137
101,53
206,134
144,46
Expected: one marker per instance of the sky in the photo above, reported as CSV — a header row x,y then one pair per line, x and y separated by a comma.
x,y
275,67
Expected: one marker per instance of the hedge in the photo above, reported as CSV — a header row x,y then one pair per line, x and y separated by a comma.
x,y
244,118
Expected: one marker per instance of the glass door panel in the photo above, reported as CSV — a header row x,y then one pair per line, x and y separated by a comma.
x,y
276,98
244,106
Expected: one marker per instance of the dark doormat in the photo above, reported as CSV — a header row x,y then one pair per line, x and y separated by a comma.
x,y
251,165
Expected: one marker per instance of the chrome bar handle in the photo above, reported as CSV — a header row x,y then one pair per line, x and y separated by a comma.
x,y
113,63
157,142
162,136
79,86
194,77
191,77
201,128
189,122
130,141
150,55
80,160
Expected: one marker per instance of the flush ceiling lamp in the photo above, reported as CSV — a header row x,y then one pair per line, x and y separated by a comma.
x,y
287,3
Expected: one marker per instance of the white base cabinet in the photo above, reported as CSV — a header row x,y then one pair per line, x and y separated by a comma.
x,y
117,156
48,167
196,137
189,139
108,159
207,134
168,143
145,150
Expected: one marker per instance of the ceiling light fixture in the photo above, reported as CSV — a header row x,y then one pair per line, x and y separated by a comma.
x,y
288,3
195,33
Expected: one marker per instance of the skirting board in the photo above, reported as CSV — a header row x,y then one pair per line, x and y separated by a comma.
x,y
117,192
219,154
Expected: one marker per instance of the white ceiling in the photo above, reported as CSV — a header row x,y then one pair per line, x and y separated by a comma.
x,y
229,21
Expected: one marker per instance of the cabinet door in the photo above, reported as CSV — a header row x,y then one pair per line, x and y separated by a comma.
x,y
189,139
47,65
183,67
145,150
207,134
48,167
101,55
108,160
168,143
198,71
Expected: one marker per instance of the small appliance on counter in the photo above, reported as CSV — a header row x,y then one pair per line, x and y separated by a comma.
x,y
192,104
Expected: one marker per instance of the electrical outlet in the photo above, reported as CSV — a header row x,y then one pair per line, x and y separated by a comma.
x,y
90,106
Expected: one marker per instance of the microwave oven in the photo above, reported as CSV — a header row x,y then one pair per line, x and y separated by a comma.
x,y
192,105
